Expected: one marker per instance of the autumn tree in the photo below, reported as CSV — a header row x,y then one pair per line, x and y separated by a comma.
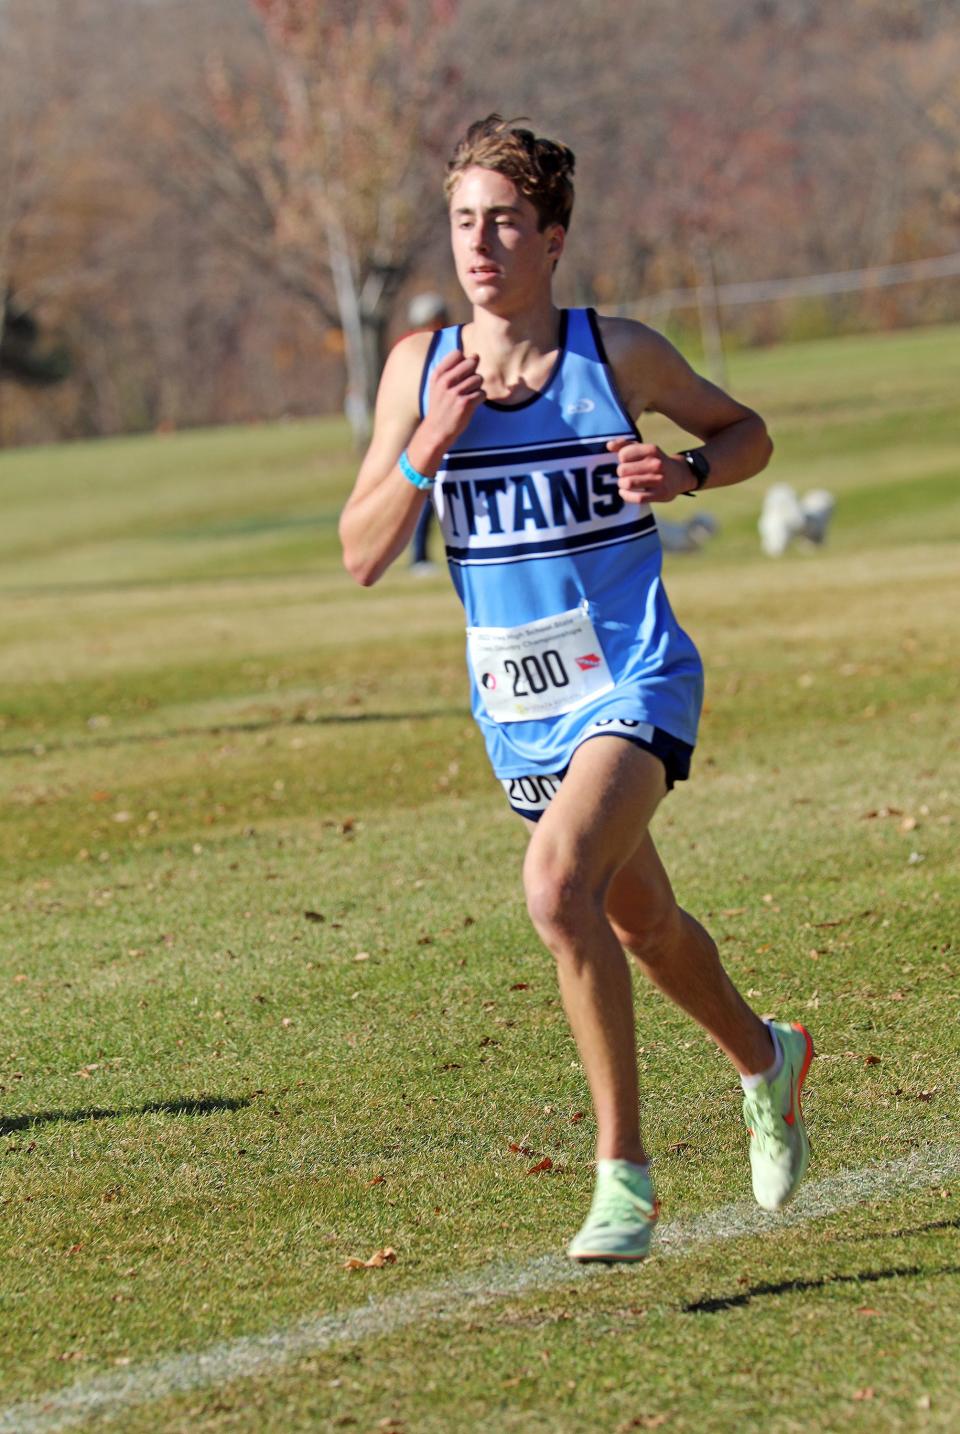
x,y
331,179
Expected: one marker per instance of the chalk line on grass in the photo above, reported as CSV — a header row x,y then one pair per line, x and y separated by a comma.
x,y
105,1396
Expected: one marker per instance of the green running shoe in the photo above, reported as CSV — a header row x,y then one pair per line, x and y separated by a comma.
x,y
622,1215
779,1148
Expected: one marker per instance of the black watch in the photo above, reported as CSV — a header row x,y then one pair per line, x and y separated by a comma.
x,y
699,465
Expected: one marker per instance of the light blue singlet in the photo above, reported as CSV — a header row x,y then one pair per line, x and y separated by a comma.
x,y
535,527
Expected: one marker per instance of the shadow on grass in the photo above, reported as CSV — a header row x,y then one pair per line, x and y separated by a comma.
x,y
909,1230
790,1287
225,729
202,1105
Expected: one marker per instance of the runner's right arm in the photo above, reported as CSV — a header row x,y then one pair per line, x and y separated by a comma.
x,y
381,513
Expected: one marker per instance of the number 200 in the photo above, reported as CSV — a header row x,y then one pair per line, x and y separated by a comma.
x,y
541,672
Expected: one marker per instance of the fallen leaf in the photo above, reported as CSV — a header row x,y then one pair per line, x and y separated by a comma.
x,y
377,1260
377,1180
520,1149
314,916
867,1310
871,1060
545,1164
863,1393
520,986
842,920
577,1116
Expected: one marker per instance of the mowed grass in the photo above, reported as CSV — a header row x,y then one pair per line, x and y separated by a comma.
x,y
269,994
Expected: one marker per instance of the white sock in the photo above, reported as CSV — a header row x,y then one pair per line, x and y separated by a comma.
x,y
610,1165
750,1082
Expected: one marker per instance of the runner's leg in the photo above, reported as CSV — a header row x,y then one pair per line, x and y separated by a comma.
x,y
591,828
681,958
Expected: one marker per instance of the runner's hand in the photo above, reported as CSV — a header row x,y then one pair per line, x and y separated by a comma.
x,y
456,390
645,474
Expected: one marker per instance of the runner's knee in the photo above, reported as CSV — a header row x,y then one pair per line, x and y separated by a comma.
x,y
561,901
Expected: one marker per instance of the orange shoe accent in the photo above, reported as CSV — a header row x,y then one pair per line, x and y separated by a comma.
x,y
791,1116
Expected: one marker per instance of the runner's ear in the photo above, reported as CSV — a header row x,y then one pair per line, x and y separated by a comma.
x,y
556,242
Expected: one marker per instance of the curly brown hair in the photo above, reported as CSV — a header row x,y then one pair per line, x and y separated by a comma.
x,y
541,169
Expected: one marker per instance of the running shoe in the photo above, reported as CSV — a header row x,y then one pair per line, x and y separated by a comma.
x,y
779,1148
622,1215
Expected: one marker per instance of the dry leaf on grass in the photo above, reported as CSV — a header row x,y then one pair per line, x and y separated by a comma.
x,y
377,1260
545,1164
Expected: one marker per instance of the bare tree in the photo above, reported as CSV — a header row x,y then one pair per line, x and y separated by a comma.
x,y
330,178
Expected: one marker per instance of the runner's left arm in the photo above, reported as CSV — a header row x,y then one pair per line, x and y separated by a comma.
x,y
651,374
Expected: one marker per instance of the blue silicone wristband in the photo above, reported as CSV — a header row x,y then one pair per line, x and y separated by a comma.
x,y
419,480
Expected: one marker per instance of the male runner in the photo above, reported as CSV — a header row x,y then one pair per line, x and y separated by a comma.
x,y
520,426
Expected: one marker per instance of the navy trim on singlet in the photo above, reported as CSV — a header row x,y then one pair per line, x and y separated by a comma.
x,y
526,402
426,371
617,396
573,542
511,457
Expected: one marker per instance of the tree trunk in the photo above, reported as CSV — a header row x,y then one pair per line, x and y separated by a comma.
x,y
356,403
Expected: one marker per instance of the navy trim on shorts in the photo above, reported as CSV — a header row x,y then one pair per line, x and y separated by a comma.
x,y
530,796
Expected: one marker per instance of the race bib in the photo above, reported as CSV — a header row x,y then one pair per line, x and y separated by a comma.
x,y
540,669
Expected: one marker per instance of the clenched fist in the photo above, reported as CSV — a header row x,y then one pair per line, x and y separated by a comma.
x,y
645,474
456,389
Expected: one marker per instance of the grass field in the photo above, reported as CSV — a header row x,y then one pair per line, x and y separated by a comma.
x,y
270,1000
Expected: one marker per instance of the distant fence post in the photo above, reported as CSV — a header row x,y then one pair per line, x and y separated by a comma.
x,y
708,308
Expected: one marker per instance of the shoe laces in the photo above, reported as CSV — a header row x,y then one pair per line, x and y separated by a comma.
x,y
616,1204
765,1120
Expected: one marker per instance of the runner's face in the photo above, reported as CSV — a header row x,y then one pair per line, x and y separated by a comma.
x,y
503,259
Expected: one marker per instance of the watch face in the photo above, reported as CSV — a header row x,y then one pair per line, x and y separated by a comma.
x,y
699,465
